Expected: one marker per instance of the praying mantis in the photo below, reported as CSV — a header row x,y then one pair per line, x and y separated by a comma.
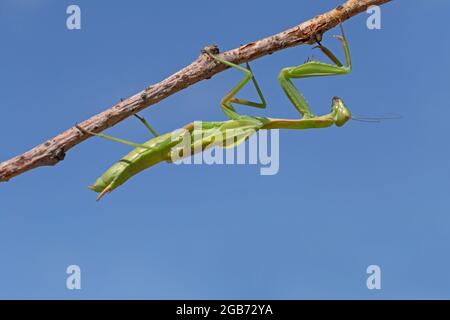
x,y
239,127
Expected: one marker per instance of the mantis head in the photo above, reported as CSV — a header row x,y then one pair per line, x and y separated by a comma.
x,y
341,113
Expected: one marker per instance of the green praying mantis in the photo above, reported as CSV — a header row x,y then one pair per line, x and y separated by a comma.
x,y
239,127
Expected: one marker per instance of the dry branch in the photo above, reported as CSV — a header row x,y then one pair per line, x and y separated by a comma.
x,y
53,150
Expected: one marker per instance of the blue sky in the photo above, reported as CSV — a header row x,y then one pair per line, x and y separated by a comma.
x,y
344,198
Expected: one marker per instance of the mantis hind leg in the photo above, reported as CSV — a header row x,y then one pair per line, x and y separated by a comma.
x,y
104,136
229,98
313,69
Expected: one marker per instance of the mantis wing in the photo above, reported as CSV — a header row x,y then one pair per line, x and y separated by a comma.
x,y
228,134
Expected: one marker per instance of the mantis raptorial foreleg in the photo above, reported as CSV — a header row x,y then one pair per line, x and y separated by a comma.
x,y
229,98
309,69
331,56
313,69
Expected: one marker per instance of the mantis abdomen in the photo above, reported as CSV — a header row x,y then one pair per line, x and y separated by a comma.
x,y
134,162
199,136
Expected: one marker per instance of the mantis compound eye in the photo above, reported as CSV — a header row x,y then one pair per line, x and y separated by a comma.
x,y
341,113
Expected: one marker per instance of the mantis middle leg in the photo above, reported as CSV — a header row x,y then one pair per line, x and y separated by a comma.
x,y
229,98
146,124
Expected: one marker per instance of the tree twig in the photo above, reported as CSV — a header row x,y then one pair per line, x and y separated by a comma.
x,y
54,150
